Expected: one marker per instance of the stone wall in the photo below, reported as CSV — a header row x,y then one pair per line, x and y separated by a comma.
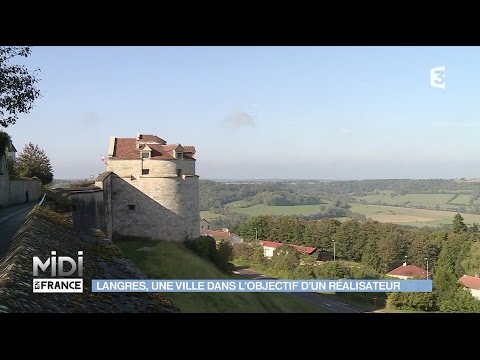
x,y
159,205
165,208
19,188
4,186
89,211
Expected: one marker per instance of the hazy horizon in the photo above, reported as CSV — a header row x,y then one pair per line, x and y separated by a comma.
x,y
349,113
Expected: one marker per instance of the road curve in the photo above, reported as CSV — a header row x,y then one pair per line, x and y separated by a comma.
x,y
326,301
11,218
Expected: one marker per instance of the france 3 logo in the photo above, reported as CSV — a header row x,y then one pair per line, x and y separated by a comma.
x,y
60,279
437,77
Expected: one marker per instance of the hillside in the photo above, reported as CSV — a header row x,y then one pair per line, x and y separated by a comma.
x,y
166,260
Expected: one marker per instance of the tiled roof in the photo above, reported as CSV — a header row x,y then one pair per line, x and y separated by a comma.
x,y
304,249
152,138
300,248
409,270
189,149
125,149
471,282
217,234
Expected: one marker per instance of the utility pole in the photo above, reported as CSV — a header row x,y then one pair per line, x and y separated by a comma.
x,y
426,259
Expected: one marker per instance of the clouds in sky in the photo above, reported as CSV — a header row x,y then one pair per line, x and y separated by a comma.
x,y
238,119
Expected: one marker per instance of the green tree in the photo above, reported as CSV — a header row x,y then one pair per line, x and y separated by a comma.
x,y
17,85
458,225
224,256
33,161
285,260
412,301
474,228
460,301
4,141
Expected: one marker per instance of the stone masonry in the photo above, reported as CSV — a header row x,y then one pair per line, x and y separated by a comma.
x,y
150,189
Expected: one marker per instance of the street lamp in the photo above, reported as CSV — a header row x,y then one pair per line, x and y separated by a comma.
x,y
333,250
426,259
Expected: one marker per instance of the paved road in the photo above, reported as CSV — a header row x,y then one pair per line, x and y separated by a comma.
x,y
11,218
328,302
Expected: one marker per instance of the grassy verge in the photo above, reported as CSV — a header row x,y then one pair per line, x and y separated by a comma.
x,y
167,260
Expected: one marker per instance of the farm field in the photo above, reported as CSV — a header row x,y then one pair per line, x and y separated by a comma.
x,y
257,210
209,216
408,216
411,199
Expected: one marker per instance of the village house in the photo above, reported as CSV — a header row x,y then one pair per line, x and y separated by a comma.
x,y
405,271
269,248
471,283
204,225
223,234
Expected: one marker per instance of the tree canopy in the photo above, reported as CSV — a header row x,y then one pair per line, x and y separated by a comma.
x,y
18,89
33,161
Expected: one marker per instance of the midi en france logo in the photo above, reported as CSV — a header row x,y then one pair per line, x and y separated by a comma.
x,y
65,275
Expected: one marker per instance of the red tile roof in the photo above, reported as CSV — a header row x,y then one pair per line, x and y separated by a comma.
x,y
125,149
304,249
409,270
189,149
272,244
300,248
152,138
470,282
217,234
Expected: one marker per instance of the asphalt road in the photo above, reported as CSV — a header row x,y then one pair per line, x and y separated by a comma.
x,y
11,218
328,302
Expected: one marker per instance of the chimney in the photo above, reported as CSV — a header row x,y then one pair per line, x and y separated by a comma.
x,y
404,264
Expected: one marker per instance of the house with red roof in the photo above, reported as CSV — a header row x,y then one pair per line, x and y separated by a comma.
x,y
223,234
405,271
471,283
269,248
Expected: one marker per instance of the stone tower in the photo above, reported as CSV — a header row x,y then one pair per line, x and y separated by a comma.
x,y
151,189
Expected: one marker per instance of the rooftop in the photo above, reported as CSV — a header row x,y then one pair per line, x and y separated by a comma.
x,y
217,234
471,282
300,248
126,148
409,270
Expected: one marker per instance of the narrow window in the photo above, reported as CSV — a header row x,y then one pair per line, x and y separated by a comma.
x,y
179,172
131,207
145,171
180,155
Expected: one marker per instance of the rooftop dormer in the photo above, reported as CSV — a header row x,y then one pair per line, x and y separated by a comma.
x,y
148,139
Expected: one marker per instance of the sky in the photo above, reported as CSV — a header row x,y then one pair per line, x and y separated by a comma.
x,y
262,112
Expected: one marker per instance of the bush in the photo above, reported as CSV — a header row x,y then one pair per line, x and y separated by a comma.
x,y
205,247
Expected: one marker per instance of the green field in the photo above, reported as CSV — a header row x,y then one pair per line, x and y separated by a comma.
x,y
167,260
461,200
209,216
257,210
410,199
410,216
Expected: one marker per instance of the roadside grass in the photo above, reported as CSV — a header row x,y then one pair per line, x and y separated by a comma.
x,y
167,260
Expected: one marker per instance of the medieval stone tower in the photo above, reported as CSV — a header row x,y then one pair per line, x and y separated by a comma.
x,y
150,189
